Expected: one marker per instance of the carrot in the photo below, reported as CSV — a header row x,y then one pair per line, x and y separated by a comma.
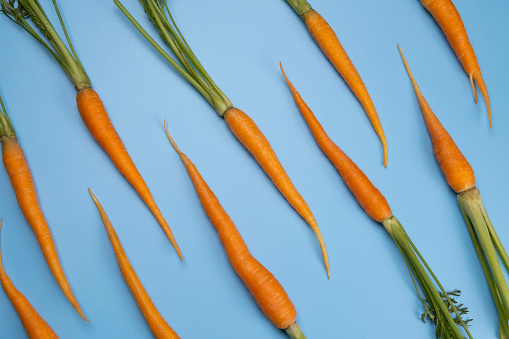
x,y
156,322
35,326
460,177
20,176
329,43
446,15
241,125
90,106
438,306
264,287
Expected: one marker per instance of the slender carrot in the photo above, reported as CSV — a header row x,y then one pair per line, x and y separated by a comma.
x,y
460,177
438,305
446,15
90,106
265,289
155,320
35,326
21,180
329,43
241,125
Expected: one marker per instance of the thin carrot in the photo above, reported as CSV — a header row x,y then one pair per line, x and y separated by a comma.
x,y
155,320
460,177
446,15
265,289
329,43
438,305
35,326
241,125
21,180
90,106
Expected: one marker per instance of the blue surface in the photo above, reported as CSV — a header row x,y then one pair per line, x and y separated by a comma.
x,y
240,43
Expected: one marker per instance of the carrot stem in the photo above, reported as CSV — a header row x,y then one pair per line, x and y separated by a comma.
x,y
6,128
294,331
301,7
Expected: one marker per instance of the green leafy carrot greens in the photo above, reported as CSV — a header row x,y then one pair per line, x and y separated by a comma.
x,y
90,106
242,126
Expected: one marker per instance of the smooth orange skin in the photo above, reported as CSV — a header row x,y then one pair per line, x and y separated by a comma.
x,y
329,43
369,197
446,15
21,180
35,326
246,131
96,119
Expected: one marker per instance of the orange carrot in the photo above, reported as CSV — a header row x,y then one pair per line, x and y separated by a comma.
x,y
35,326
329,43
156,322
446,15
457,171
265,289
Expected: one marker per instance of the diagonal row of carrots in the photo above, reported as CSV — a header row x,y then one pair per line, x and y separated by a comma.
x,y
440,306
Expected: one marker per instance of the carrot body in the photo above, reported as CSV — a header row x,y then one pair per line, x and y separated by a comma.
x,y
369,197
265,289
246,131
457,171
329,43
35,326
96,119
156,322
21,180
446,15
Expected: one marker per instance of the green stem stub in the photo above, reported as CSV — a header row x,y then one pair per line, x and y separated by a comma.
x,y
6,129
490,252
294,331
301,7
440,306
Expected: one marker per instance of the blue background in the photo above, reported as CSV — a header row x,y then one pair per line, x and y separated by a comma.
x,y
240,43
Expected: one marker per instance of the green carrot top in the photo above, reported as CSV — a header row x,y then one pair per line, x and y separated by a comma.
x,y
19,10
189,67
6,129
300,6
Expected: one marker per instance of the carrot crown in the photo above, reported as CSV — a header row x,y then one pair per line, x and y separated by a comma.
x,y
300,6
19,10
189,67
6,129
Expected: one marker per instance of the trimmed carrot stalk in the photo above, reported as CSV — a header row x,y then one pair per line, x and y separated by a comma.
x,y
154,319
438,304
268,293
329,43
35,326
446,15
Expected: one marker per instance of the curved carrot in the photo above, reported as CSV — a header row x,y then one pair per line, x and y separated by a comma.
x,y
35,326
446,15
156,322
457,171
329,43
369,197
265,289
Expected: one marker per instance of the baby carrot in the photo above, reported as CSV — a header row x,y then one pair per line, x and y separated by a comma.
x,y
155,320
35,326
265,289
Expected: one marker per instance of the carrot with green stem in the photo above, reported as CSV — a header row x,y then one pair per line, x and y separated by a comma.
x,y
90,106
155,320
35,326
22,182
264,287
460,177
329,43
242,126
446,15
440,306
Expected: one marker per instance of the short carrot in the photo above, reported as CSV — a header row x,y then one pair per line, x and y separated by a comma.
x,y
460,177
438,305
264,287
90,106
446,15
35,326
241,125
329,43
21,180
154,319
